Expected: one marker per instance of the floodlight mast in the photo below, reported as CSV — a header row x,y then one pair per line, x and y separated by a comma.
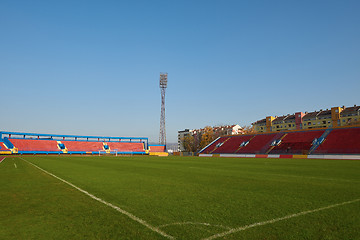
x,y
163,86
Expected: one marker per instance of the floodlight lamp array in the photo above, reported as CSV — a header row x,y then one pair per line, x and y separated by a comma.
x,y
163,80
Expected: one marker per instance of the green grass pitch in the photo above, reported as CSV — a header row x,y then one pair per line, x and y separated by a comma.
x,y
183,197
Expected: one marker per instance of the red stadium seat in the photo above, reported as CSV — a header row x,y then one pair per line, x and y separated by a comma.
x,y
83,146
126,146
157,148
32,145
297,142
232,144
341,141
259,144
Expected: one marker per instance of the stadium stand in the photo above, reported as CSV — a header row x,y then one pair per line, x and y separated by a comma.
x,y
2,146
156,148
297,142
83,146
215,144
341,141
127,147
319,141
4,149
259,143
31,145
232,144
7,143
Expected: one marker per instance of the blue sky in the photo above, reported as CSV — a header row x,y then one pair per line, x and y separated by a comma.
x,y
92,67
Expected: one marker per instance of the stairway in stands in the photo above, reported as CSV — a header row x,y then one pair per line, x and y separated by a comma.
x,y
245,145
8,144
278,136
323,136
216,147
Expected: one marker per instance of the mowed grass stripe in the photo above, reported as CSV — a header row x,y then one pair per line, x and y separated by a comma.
x,y
131,216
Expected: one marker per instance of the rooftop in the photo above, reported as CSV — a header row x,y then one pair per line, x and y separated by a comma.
x,y
351,110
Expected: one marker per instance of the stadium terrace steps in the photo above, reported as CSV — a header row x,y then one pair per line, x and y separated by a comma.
x,y
74,147
7,143
35,145
212,146
329,141
83,146
4,149
268,147
277,137
258,144
341,141
243,144
127,147
231,145
297,142
157,148
219,142
319,141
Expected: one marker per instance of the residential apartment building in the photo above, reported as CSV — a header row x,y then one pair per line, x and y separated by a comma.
x,y
181,135
334,117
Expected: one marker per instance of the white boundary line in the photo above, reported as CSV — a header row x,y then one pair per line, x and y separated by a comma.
x,y
133,217
193,223
3,159
239,229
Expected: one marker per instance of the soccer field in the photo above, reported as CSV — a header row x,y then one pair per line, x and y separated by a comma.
x,y
145,197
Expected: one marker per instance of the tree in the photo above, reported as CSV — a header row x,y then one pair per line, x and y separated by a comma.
x,y
248,130
197,141
207,136
191,142
188,143
220,133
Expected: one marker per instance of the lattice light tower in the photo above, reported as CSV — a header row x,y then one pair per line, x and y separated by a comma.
x,y
163,86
